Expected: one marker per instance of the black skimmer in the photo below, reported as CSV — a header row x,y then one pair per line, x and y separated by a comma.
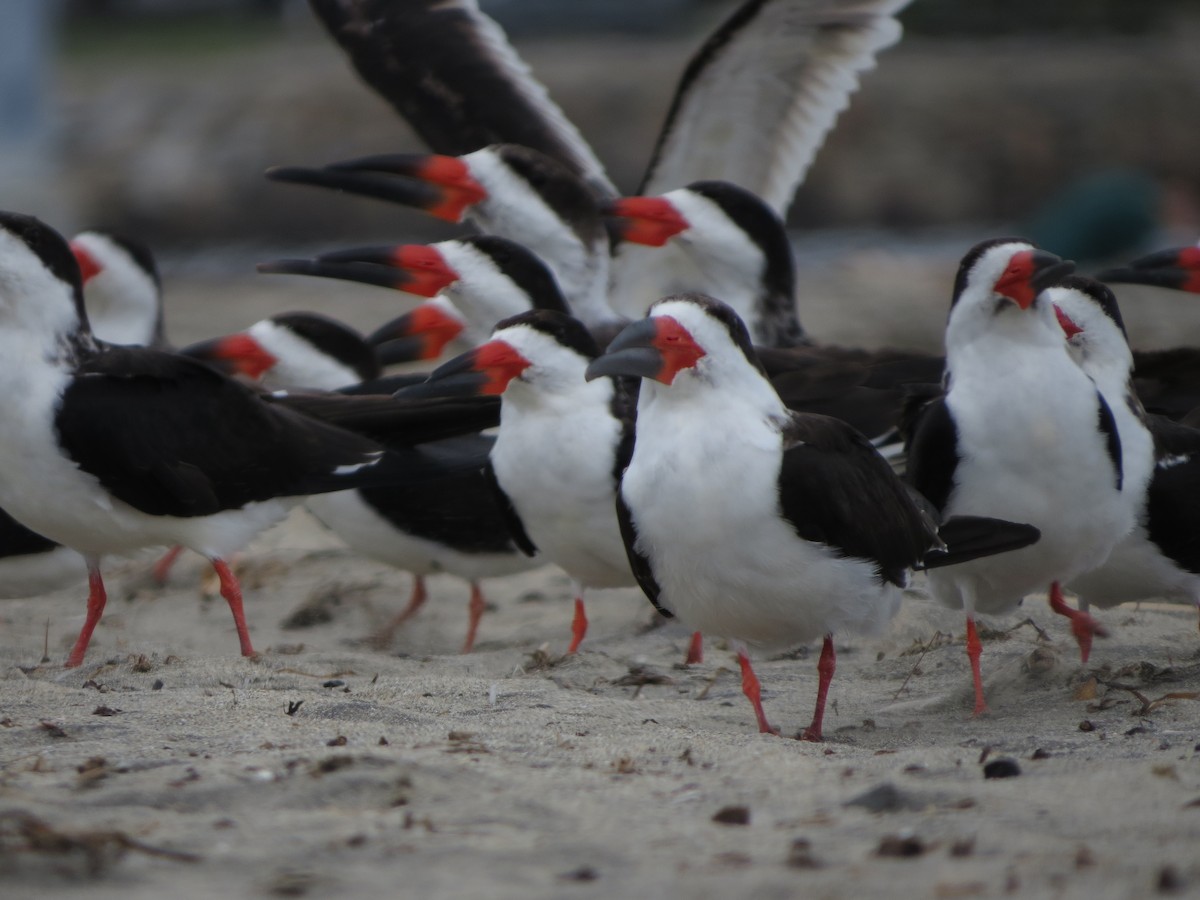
x,y
1023,434
481,280
741,250
193,458
505,190
1160,458
755,522
561,445
124,305
451,525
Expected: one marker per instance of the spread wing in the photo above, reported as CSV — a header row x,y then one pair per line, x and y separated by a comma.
x,y
757,100
450,71
753,107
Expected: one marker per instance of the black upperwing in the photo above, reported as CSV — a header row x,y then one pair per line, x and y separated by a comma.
x,y
394,421
1172,511
460,511
170,436
835,489
450,71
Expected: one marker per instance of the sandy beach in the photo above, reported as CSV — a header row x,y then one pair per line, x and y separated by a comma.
x,y
168,765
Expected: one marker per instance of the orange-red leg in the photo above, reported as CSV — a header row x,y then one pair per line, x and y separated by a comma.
x,y
232,592
579,625
753,691
162,568
825,669
97,598
1083,626
475,609
974,649
384,635
695,654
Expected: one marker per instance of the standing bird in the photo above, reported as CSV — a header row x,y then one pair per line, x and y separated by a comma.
x,y
108,449
125,307
452,525
1022,433
755,522
561,445
1160,557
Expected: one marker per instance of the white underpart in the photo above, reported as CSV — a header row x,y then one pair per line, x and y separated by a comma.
x,y
1030,450
122,299
483,295
1136,569
703,487
554,459
298,363
514,211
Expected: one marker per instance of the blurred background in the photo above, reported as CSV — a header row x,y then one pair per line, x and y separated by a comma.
x,y
1073,122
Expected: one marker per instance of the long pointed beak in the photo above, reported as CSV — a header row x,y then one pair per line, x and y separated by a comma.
x,y
1049,270
412,268
632,352
1177,268
485,370
442,186
424,331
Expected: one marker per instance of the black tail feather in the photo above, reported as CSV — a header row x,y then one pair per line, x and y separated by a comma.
x,y
972,537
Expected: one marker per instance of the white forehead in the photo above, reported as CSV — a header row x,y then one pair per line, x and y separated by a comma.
x,y
542,350
1099,330
992,262
711,334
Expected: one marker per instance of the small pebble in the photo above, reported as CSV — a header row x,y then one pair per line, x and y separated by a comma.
x,y
1003,767
732,815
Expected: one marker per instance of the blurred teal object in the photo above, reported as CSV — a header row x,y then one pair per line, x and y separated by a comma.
x,y
1101,216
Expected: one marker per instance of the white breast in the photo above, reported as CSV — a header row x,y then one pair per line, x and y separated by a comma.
x,y
555,462
1030,452
704,494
